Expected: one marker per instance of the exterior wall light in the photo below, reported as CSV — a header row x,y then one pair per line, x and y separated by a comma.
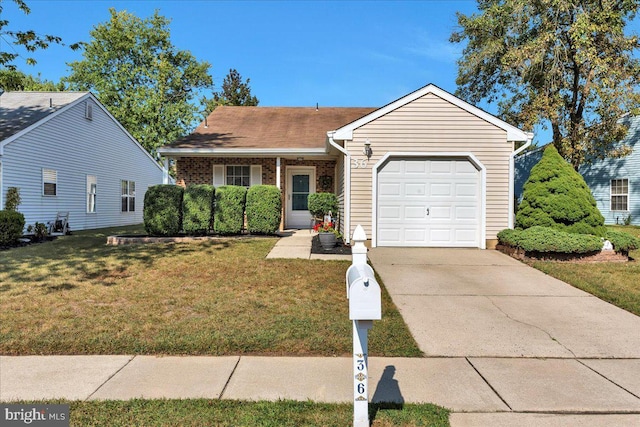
x,y
367,149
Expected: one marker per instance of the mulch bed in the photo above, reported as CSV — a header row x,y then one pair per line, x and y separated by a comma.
x,y
27,241
601,256
340,249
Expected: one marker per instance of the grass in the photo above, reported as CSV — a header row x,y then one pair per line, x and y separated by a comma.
x,y
75,295
223,413
617,283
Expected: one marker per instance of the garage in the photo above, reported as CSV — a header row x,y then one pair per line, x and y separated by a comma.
x,y
429,201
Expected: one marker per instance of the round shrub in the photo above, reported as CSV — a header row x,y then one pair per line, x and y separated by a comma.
x,y
228,212
197,209
264,209
321,203
546,239
11,226
163,210
556,196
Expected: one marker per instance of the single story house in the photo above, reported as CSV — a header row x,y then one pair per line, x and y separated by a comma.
x,y
428,169
614,183
66,153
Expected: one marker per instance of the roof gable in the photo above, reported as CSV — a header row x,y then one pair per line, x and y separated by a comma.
x,y
346,132
21,110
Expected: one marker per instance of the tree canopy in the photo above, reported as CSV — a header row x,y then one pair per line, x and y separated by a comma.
x,y
567,63
234,92
28,40
13,79
149,85
557,196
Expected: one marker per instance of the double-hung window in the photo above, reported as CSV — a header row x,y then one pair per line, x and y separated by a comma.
x,y
49,182
238,175
128,196
92,187
619,194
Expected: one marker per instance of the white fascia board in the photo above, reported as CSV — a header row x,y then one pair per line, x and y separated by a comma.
x,y
254,152
513,133
43,120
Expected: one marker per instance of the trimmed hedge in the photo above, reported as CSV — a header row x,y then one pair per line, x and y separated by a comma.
x,y
197,209
623,242
11,226
546,239
556,196
163,210
228,212
321,203
264,209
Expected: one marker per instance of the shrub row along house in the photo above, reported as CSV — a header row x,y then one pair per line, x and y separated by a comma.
x,y
614,183
425,170
66,153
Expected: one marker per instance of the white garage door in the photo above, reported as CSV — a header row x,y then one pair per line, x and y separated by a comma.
x,y
428,202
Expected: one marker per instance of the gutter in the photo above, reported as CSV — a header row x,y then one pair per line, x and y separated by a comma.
x,y
347,186
512,174
260,152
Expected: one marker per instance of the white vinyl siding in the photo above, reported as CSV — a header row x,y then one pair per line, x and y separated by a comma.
x,y
431,124
49,182
92,192
76,147
620,195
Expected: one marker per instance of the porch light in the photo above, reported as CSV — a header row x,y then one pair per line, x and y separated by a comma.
x,y
367,149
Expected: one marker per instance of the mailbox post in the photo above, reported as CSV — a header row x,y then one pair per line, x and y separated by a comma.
x,y
365,306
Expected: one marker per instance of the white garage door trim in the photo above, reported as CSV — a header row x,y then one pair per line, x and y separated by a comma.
x,y
428,155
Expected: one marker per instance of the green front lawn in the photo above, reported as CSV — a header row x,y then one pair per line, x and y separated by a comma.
x,y
76,295
617,283
230,413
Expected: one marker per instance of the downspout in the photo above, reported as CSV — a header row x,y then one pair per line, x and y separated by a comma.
x,y
165,170
512,176
347,186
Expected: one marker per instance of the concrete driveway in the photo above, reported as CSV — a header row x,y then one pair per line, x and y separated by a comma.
x,y
542,346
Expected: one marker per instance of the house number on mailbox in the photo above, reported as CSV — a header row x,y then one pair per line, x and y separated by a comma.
x,y
359,163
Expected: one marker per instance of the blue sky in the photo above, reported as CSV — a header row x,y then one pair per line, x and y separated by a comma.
x,y
296,53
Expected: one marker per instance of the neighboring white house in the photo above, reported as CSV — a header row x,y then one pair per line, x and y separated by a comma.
x,y
66,153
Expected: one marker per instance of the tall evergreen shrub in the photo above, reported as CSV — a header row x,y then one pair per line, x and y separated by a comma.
x,y
163,210
264,209
228,212
197,209
11,226
556,196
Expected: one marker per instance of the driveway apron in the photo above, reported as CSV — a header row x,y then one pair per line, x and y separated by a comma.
x,y
541,345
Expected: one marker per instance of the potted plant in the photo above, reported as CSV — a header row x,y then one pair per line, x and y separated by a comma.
x,y
327,234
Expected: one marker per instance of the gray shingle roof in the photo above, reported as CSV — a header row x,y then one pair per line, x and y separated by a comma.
x,y
19,110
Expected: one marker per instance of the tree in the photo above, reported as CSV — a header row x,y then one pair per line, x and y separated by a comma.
x,y
557,196
140,76
234,92
12,79
568,63
28,40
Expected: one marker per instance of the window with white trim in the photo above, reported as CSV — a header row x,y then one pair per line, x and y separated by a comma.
x,y
92,187
238,175
620,194
49,182
128,196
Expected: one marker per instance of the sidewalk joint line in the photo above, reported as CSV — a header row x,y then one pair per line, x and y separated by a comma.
x,y
489,384
608,379
233,371
109,379
532,326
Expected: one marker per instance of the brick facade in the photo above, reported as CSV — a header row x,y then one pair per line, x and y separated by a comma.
x,y
199,170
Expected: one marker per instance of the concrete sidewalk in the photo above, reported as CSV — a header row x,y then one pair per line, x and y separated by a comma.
x,y
297,244
467,386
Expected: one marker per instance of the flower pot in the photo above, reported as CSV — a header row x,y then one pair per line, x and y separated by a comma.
x,y
327,240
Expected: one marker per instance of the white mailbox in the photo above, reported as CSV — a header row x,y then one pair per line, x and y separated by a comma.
x,y
364,293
